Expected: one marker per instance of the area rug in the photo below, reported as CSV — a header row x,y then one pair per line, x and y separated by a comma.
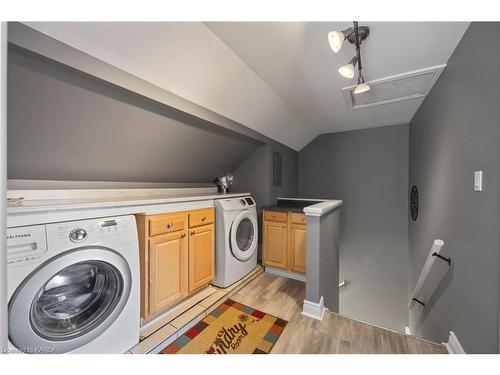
x,y
232,328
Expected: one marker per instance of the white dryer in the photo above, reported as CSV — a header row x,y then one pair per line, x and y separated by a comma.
x,y
74,287
236,239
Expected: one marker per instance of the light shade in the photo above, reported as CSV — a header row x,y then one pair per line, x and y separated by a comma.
x,y
347,70
336,38
362,87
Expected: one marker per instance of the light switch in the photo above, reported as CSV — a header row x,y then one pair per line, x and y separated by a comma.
x,y
478,180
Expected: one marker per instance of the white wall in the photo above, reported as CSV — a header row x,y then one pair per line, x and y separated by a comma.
x,y
186,58
3,184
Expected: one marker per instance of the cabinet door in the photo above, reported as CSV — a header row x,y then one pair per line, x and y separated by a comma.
x,y
275,244
201,256
168,266
297,248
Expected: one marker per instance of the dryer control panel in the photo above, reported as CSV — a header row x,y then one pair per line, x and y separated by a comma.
x,y
248,201
235,204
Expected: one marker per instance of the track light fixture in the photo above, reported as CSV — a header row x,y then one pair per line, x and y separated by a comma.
x,y
354,35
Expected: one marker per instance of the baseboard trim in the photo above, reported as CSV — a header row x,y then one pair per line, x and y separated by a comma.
x,y
287,274
453,346
314,310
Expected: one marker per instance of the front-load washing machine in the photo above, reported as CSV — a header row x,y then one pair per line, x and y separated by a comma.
x,y
74,287
236,239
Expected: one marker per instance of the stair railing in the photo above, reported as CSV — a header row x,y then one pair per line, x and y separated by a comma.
x,y
435,268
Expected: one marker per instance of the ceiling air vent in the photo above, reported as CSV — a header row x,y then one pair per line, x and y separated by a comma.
x,y
406,86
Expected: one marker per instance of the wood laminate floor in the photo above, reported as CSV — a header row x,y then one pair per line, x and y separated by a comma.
x,y
334,334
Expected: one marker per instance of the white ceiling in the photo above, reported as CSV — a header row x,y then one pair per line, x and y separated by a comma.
x,y
277,78
297,62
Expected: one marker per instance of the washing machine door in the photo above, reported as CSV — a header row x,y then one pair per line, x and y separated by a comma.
x,y
244,235
69,300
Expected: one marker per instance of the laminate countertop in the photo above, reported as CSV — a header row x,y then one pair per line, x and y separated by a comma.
x,y
291,204
37,207
275,207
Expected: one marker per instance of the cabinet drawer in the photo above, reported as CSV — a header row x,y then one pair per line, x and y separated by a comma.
x,y
275,216
201,217
167,223
298,218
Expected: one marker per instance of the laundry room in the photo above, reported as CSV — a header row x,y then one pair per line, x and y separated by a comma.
x,y
250,186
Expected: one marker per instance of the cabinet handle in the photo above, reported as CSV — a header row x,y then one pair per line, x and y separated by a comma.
x,y
192,232
203,218
183,235
169,225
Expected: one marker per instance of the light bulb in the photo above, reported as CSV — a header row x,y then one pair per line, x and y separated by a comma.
x,y
362,87
336,38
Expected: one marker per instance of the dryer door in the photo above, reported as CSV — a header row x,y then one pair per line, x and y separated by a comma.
x,y
68,301
244,235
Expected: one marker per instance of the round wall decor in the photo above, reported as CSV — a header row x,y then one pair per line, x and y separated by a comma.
x,y
414,202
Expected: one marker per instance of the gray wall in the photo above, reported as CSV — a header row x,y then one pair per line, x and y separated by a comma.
x,y
368,170
329,266
66,125
457,131
254,175
323,243
289,160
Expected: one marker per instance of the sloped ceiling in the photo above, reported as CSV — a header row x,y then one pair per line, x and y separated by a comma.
x,y
277,78
186,58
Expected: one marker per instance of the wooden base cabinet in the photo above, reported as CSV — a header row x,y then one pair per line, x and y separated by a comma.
x,y
201,256
168,282
275,241
297,240
284,241
177,256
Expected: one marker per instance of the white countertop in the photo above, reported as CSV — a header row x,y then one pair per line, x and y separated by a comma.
x,y
322,208
48,206
38,205
82,204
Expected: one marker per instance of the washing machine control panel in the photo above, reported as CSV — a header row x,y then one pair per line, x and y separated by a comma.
x,y
92,231
78,235
85,232
34,244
